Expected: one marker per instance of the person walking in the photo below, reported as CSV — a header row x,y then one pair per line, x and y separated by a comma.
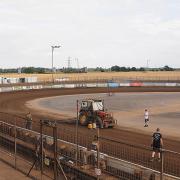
x,y
29,121
146,118
156,144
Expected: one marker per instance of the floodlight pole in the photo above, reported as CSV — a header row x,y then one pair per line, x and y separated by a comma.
x,y
53,47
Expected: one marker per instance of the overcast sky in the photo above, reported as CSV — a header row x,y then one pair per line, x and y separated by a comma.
x,y
97,32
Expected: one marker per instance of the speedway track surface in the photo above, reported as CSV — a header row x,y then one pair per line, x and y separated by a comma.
x,y
14,103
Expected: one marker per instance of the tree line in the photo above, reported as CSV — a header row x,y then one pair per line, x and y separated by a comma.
x,y
116,68
127,69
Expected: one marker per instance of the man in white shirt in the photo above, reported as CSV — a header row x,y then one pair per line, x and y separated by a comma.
x,y
146,117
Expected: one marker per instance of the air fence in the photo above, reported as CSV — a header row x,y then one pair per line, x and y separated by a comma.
x,y
117,159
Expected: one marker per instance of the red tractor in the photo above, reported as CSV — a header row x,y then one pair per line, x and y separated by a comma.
x,y
92,111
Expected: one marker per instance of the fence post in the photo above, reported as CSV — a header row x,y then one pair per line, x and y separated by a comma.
x,y
41,136
162,165
15,146
98,149
77,125
55,150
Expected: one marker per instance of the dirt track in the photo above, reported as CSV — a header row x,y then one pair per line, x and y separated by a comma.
x,y
127,109
14,103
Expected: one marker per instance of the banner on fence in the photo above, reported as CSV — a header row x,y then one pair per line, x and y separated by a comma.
x,y
89,85
102,85
113,85
124,84
171,84
136,84
6,89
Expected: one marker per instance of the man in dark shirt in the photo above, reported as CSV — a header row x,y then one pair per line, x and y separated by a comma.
x,y
157,144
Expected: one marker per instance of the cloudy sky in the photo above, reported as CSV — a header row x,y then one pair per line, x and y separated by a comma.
x,y
97,32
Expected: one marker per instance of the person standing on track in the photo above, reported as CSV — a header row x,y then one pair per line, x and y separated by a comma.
x,y
146,118
157,144
29,121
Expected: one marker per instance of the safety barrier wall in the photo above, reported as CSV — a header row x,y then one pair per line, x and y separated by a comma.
x,y
118,158
91,85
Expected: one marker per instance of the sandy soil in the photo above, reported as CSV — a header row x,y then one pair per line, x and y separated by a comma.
x,y
127,108
9,173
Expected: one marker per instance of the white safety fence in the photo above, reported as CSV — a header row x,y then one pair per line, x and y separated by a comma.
x,y
90,85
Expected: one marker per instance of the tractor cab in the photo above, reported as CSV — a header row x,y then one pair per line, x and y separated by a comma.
x,y
92,105
92,111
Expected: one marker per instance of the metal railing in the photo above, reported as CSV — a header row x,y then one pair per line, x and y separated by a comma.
x,y
117,158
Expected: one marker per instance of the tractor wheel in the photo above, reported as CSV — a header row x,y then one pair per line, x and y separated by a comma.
x,y
83,119
99,122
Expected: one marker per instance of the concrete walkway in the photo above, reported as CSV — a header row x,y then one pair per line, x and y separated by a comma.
x,y
9,173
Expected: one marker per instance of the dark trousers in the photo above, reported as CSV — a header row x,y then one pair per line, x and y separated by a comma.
x,y
29,125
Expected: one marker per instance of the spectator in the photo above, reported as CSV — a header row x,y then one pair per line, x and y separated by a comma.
x,y
29,121
157,144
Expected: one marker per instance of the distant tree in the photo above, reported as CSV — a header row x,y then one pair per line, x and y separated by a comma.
x,y
167,68
115,68
123,69
28,70
128,69
100,69
40,70
133,69
9,70
141,69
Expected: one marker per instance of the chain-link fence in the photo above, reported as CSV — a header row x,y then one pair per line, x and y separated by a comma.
x,y
21,148
78,154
